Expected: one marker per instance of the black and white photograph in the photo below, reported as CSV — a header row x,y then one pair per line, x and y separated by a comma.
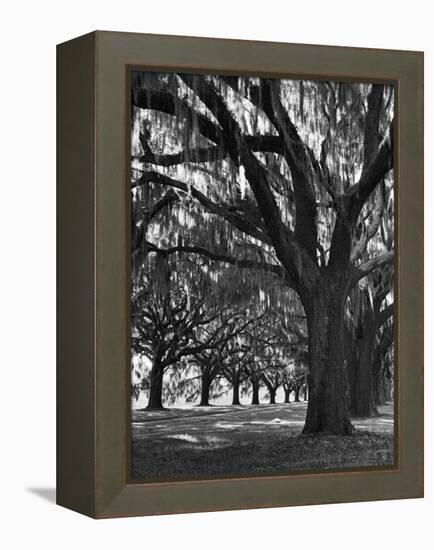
x,y
217,252
262,275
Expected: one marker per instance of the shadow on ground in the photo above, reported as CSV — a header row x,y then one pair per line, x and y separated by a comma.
x,y
264,439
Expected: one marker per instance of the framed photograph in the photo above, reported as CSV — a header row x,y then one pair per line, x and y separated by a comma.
x,y
240,274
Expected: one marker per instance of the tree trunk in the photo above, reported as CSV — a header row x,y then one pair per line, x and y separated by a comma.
x,y
382,374
272,393
379,388
328,407
363,404
255,393
236,393
297,394
353,367
387,383
388,391
362,379
379,377
204,393
156,389
287,394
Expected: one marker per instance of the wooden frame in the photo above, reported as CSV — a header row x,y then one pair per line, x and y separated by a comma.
x,y
93,273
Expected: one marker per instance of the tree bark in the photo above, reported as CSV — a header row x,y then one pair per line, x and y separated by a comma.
x,y
362,401
255,393
328,407
379,390
287,394
272,393
297,393
388,391
156,389
362,379
382,373
204,393
236,393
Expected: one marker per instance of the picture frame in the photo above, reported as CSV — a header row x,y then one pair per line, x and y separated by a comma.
x,y
93,267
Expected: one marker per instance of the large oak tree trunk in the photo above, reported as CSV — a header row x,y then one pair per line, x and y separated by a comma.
x,y
272,393
362,395
287,394
328,407
362,379
156,389
297,393
379,389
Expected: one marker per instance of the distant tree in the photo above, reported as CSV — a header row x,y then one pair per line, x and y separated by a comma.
x,y
254,373
383,364
293,379
272,377
210,364
218,360
372,307
163,332
263,337
235,367
167,320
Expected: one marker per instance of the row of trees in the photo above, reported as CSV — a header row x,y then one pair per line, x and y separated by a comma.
x,y
203,339
282,191
205,343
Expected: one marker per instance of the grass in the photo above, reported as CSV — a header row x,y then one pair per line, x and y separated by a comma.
x,y
250,441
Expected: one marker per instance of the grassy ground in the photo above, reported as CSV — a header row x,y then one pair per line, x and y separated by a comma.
x,y
246,440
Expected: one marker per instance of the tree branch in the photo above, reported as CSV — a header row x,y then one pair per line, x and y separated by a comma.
x,y
377,169
198,155
297,156
282,238
371,139
225,211
260,144
385,314
159,100
217,257
369,266
168,198
367,233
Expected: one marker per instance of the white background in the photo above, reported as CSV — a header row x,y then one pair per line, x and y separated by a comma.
x,y
28,36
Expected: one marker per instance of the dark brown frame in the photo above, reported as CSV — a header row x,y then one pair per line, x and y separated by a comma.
x,y
93,266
